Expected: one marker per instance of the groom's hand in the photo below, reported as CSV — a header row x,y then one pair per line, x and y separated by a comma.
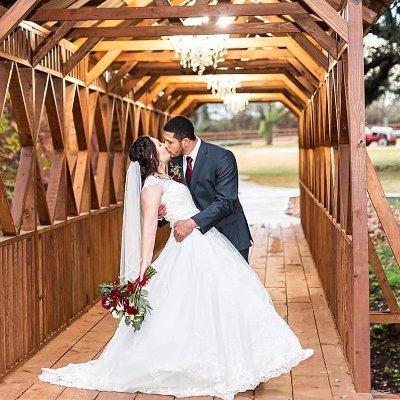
x,y
162,210
182,229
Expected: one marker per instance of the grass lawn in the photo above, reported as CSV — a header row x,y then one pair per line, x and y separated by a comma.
x,y
386,161
277,165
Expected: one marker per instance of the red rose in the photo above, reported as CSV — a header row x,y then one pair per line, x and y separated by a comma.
x,y
130,287
115,294
103,303
142,282
130,309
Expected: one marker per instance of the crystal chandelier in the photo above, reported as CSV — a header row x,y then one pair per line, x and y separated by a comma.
x,y
200,51
222,85
236,102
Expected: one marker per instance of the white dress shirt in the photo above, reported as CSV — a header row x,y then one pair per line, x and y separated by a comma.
x,y
192,154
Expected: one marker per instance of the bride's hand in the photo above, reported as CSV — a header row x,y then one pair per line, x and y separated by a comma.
x,y
142,271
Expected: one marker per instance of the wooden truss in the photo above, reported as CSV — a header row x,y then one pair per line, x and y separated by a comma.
x,y
108,74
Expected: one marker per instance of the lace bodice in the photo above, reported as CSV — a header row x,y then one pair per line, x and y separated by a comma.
x,y
176,196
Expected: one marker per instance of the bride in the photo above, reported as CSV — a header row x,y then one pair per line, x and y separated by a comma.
x,y
213,330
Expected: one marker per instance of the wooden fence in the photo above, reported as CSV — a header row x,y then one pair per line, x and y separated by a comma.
x,y
335,175
277,134
60,240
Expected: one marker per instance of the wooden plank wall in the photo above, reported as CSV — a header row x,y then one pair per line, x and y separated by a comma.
x,y
335,176
61,239
333,194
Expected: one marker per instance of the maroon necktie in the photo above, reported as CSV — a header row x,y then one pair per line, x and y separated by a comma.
x,y
189,169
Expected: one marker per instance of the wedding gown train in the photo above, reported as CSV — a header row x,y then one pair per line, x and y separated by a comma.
x,y
213,330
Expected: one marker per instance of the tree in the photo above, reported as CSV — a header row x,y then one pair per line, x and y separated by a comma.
x,y
9,150
383,55
269,117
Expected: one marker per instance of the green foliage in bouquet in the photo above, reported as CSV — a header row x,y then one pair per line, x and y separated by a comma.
x,y
128,300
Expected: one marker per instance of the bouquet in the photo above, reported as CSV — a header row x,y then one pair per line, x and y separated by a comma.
x,y
127,300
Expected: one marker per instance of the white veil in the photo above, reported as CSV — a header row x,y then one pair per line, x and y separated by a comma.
x,y
131,225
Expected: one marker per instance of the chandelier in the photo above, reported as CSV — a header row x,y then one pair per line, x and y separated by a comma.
x,y
200,51
222,85
236,102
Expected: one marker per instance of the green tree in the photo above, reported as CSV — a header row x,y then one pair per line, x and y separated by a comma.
x,y
9,151
270,115
383,55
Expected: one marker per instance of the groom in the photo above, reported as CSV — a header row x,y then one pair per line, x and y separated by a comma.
x,y
211,174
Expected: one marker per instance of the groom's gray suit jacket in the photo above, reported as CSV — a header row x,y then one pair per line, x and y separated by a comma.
x,y
214,188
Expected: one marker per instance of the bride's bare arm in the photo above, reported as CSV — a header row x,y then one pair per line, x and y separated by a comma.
x,y
150,202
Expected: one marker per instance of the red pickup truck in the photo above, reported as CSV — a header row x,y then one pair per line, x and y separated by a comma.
x,y
382,135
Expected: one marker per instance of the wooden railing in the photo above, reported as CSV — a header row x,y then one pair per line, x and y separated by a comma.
x,y
335,174
333,198
60,238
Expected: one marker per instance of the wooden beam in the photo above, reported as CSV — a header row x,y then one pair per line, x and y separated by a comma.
x,y
50,41
14,15
161,44
163,12
144,88
169,56
21,185
318,34
128,66
304,71
210,98
369,16
250,64
174,21
248,89
101,66
380,274
136,77
6,219
168,105
384,318
354,69
161,100
83,50
313,52
189,79
5,76
170,30
383,210
330,16
155,92
232,70
181,104
252,90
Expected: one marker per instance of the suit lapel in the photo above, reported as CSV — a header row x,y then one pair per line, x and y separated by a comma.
x,y
198,165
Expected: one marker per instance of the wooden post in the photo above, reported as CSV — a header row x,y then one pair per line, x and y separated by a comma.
x,y
356,120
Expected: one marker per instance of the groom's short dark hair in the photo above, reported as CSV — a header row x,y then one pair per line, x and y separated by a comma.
x,y
181,127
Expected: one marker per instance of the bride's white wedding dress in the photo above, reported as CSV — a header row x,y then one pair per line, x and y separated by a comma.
x,y
213,329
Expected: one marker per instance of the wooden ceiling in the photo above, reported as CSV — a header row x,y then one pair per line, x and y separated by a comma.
x,y
281,49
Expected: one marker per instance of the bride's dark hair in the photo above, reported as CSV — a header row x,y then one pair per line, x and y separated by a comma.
x,y
144,151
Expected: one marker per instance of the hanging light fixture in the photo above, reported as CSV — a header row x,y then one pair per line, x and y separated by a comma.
x,y
222,85
200,51
236,102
